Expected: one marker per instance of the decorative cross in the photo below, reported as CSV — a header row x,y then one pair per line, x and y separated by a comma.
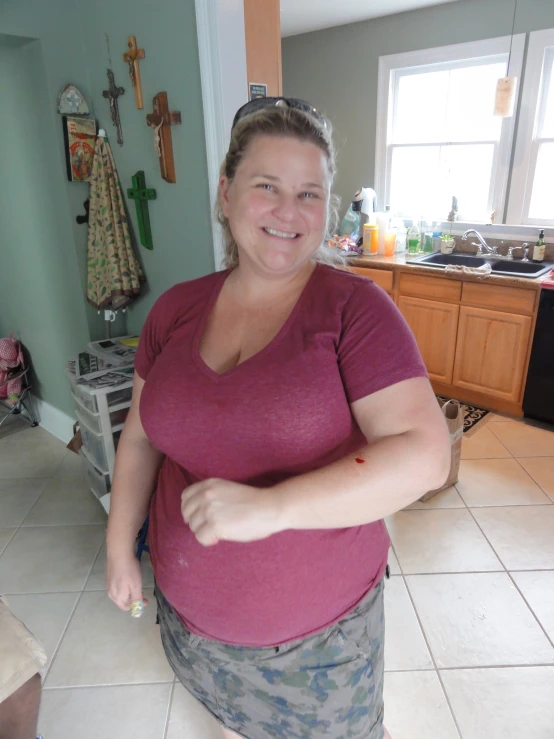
x,y
141,195
132,58
112,93
161,119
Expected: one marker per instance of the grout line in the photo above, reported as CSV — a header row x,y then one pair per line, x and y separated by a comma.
x,y
169,707
550,641
71,615
474,667
458,729
107,685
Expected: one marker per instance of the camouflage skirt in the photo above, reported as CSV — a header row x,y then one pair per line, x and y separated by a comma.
x,y
326,685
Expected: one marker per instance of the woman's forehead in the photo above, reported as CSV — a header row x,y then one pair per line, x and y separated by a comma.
x,y
284,152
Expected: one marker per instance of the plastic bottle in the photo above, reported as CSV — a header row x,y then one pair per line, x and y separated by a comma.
x,y
539,248
427,237
401,232
383,223
414,238
370,245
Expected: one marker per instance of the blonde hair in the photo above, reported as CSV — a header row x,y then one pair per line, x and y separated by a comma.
x,y
288,122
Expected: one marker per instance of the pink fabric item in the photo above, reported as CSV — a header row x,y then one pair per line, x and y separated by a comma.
x,y
11,359
281,413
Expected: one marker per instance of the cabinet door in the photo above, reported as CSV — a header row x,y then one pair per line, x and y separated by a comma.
x,y
434,326
491,352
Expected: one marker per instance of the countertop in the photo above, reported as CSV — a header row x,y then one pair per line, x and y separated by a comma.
x,y
398,262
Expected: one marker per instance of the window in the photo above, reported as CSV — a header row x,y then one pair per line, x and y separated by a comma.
x,y
436,133
531,199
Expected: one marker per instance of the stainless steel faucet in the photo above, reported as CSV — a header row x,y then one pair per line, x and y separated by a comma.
x,y
482,246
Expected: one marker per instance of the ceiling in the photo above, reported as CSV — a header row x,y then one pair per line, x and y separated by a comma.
x,y
301,16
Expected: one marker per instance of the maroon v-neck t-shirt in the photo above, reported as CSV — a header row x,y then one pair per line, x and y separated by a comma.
x,y
281,413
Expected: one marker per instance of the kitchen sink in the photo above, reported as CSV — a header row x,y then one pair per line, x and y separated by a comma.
x,y
514,268
521,269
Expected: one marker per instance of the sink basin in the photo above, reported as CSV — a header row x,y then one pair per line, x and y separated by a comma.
x,y
513,268
521,269
442,260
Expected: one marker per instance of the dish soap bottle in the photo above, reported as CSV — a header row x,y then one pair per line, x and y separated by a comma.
x,y
414,238
539,248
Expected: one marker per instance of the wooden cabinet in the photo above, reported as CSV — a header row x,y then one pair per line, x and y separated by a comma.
x,y
262,31
434,326
491,352
382,277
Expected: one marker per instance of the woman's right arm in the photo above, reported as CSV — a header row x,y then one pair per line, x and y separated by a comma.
x,y
136,471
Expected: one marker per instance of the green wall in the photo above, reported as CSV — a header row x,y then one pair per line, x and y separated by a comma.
x,y
47,274
40,296
337,69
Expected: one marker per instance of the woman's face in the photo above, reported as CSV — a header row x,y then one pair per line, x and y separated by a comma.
x,y
277,203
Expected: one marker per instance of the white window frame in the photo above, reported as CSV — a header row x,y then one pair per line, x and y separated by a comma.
x,y
526,150
442,55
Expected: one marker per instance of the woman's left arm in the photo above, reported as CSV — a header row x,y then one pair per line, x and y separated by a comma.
x,y
407,454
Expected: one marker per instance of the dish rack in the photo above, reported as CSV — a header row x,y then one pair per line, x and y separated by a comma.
x,y
101,413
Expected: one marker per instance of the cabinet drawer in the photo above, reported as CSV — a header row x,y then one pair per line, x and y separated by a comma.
x,y
381,277
497,297
437,288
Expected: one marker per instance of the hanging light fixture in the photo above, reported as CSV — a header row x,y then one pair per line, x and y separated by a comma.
x,y
506,86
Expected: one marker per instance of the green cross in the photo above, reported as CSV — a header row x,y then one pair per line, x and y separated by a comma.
x,y
141,195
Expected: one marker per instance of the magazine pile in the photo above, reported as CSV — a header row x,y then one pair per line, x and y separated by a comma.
x,y
105,363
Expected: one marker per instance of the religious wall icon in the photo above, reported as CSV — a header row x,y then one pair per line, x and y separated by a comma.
x,y
132,58
161,119
71,101
141,195
112,94
80,139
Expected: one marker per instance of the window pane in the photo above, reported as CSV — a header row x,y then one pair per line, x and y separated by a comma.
x,y
471,103
424,179
420,108
547,128
414,180
447,105
466,172
542,199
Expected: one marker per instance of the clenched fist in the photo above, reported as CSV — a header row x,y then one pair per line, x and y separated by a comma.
x,y
219,510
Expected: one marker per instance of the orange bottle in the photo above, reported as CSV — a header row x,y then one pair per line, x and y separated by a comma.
x,y
371,239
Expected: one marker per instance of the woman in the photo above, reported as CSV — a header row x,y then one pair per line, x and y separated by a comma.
x,y
280,409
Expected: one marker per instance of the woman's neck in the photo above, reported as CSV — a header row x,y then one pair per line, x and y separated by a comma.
x,y
253,290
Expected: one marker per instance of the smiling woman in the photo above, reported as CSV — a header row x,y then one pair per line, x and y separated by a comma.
x,y
296,175
296,415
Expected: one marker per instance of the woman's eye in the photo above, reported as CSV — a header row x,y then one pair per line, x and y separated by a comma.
x,y
309,195
266,186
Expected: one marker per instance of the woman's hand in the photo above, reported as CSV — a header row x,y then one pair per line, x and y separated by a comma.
x,y
219,510
124,580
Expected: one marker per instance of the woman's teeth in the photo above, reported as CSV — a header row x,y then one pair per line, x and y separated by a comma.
x,y
281,234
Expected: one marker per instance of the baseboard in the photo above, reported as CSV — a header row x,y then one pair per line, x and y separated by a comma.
x,y
52,419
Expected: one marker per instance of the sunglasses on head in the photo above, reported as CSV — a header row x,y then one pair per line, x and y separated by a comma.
x,y
259,103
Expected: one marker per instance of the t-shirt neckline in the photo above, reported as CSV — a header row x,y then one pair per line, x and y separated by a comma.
x,y
279,336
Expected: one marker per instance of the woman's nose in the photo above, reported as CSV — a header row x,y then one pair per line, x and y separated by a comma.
x,y
287,208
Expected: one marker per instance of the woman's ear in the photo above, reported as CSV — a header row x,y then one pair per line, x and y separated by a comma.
x,y
224,185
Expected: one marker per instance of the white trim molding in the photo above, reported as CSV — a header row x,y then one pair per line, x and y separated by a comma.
x,y
54,420
222,54
470,52
523,167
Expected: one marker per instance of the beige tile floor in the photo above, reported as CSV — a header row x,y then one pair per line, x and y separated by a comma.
x,y
470,604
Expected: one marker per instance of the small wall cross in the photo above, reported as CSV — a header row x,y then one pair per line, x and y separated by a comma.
x,y
141,195
132,58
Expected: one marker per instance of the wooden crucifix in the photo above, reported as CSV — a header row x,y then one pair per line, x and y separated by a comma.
x,y
161,119
132,58
141,195
112,93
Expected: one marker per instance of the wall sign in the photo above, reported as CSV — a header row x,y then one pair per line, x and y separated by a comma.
x,y
257,90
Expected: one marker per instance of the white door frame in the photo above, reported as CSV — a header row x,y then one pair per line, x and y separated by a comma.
x,y
222,53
